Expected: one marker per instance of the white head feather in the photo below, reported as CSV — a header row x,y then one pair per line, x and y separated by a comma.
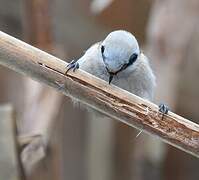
x,y
118,47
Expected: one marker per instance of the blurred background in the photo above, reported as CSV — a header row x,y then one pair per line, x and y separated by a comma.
x,y
80,148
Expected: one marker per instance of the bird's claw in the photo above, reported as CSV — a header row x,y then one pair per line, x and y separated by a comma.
x,y
164,109
72,65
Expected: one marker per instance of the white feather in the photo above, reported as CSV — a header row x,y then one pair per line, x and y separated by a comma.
x,y
137,78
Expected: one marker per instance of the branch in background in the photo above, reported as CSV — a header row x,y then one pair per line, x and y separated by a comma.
x,y
9,168
37,23
34,150
39,111
109,99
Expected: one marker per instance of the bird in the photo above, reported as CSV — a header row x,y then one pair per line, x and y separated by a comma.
x,y
119,60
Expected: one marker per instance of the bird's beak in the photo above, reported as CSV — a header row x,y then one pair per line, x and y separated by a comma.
x,y
111,74
110,78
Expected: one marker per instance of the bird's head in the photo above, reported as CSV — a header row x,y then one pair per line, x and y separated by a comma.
x,y
119,51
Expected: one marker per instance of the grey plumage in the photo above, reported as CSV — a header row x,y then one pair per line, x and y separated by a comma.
x,y
137,78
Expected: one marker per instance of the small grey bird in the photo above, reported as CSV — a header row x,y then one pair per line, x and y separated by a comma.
x,y
118,60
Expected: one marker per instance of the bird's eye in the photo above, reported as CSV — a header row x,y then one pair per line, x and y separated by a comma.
x,y
133,58
102,49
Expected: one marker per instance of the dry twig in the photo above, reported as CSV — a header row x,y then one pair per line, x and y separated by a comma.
x,y
109,99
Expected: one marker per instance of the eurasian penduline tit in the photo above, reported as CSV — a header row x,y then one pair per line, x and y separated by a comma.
x,y
118,60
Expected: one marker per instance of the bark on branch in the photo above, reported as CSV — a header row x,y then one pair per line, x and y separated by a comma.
x,y
109,99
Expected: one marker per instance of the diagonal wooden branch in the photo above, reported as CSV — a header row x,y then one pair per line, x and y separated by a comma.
x,y
109,99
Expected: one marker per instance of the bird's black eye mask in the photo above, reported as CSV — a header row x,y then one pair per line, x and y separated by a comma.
x,y
132,59
102,49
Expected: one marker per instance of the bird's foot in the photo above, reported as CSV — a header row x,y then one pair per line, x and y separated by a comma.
x,y
72,65
164,109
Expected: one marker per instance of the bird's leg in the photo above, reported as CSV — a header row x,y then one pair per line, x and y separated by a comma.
x,y
164,109
72,65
